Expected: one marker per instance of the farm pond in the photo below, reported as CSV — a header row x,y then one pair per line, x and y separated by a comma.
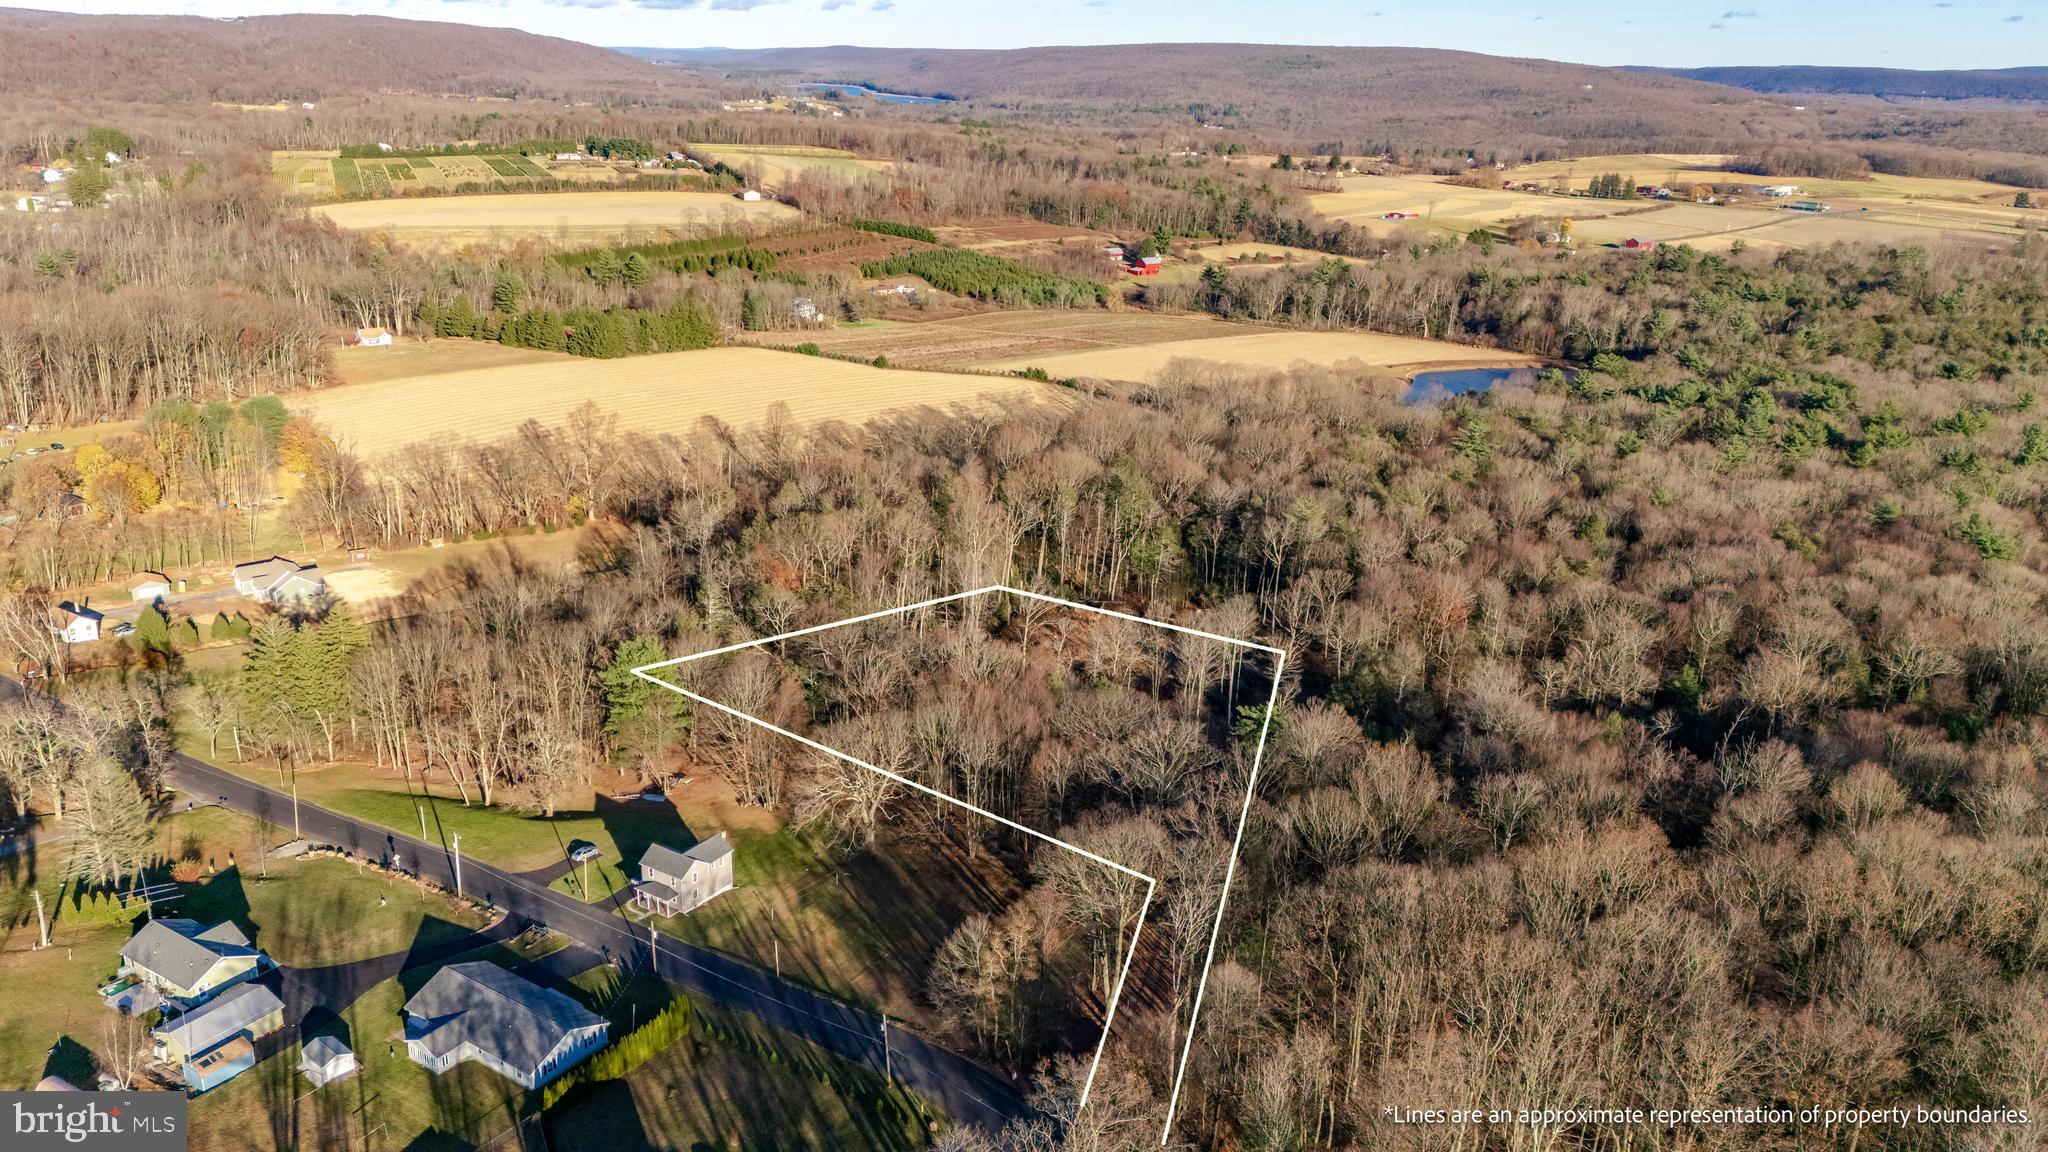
x,y
864,90
1430,387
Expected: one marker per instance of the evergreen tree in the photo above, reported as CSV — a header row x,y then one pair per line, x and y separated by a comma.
x,y
267,413
507,290
634,269
458,319
153,631
270,692
642,721
110,833
754,313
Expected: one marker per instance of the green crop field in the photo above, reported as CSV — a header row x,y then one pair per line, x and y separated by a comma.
x,y
324,175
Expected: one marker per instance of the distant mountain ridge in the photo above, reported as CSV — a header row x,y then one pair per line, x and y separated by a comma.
x,y
1351,96
261,59
1952,84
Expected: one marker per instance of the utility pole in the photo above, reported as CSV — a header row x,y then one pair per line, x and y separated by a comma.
x,y
458,864
778,957
42,922
422,810
888,1065
296,834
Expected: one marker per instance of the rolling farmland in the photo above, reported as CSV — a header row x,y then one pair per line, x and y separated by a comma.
x,y
1267,350
990,337
328,174
1884,209
770,167
574,217
649,394
1363,200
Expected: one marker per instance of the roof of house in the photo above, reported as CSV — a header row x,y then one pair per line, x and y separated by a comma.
x,y
665,860
182,951
656,890
477,1002
265,569
148,578
83,613
369,333
668,861
321,1051
711,850
216,1020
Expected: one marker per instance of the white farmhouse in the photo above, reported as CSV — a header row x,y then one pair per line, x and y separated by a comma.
x,y
76,623
673,882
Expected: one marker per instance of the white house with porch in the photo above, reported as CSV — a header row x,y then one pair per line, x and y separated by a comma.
x,y
673,883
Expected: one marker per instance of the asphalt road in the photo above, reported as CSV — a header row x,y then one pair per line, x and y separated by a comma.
x,y
961,1088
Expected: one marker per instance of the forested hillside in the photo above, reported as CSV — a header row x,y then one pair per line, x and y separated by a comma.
x,y
1951,84
1363,98
261,59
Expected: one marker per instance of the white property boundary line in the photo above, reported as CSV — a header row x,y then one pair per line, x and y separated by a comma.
x,y
645,672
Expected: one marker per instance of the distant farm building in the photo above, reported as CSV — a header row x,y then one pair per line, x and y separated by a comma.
x,y
152,586
372,338
894,289
672,882
478,1011
1781,190
1808,206
748,194
1401,216
1638,244
76,623
52,176
278,580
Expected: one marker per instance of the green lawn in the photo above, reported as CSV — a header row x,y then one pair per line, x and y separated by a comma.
x,y
498,835
50,999
731,1084
760,860
312,913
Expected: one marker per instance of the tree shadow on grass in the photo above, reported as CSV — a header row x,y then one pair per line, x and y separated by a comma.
x,y
220,897
70,1060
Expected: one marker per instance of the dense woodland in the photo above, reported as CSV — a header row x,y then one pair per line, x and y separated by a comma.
x,y
1668,733
1591,783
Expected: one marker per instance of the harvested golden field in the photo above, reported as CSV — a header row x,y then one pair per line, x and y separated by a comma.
x,y
649,394
571,217
771,167
1268,350
1883,208
1365,200
1249,251
410,357
967,341
1701,225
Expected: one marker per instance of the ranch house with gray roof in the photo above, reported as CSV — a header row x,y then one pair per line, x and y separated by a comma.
x,y
478,1011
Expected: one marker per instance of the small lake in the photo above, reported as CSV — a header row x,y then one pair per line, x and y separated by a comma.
x,y
1430,387
876,93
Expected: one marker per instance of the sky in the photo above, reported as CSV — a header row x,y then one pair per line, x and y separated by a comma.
x,y
1684,33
